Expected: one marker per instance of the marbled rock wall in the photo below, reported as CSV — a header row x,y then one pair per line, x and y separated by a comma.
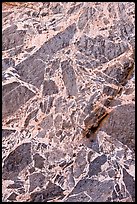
x,y
68,102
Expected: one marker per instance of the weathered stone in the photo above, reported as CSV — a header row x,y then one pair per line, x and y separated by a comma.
x,y
49,104
17,184
6,133
57,9
59,41
38,161
12,37
109,91
129,182
82,185
50,88
36,180
47,123
14,95
99,191
29,117
74,8
121,124
17,160
7,62
12,196
52,191
69,78
82,197
68,101
95,165
31,70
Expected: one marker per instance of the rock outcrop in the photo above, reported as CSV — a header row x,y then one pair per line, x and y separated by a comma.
x,y
68,102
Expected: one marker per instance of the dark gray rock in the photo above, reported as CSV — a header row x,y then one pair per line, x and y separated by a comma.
x,y
6,132
51,192
82,185
7,62
49,104
95,165
119,72
32,70
12,37
36,180
54,66
59,41
84,17
12,196
43,106
121,125
49,88
14,96
17,160
100,191
81,197
101,48
129,182
69,78
57,9
38,161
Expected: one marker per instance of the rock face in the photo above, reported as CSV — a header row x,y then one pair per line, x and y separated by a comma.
x,y
68,102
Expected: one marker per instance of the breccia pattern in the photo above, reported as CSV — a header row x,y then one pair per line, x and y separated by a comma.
x,y
68,102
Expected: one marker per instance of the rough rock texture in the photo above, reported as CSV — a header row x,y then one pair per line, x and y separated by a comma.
x,y
68,102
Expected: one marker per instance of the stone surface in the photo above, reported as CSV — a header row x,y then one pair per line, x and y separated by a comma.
x,y
68,102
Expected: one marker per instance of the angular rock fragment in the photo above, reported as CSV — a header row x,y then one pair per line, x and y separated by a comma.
x,y
95,165
12,37
38,161
7,62
14,96
51,192
69,78
12,196
121,125
36,180
50,88
129,182
59,41
17,160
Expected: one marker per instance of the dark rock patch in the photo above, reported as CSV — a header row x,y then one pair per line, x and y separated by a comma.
x,y
12,196
50,88
36,179
121,125
129,182
17,160
14,95
39,161
95,165
6,132
51,192
69,78
7,62
12,37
